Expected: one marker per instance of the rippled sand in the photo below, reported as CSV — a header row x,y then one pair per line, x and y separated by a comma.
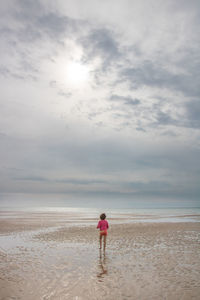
x,y
50,256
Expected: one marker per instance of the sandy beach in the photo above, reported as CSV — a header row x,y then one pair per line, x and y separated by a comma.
x,y
56,256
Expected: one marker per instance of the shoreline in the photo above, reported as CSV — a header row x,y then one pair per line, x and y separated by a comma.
x,y
16,221
52,259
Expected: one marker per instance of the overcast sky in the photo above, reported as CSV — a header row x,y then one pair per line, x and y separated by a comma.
x,y
100,99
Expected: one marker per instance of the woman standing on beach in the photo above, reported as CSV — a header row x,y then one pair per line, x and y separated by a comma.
x,y
103,226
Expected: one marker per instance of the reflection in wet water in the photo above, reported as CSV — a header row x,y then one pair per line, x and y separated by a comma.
x,y
102,266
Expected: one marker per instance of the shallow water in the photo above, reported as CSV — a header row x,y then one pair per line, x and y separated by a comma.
x,y
86,216
64,262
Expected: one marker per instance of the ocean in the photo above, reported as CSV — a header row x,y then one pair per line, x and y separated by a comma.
x,y
118,215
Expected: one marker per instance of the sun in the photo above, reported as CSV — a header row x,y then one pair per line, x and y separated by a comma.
x,y
77,73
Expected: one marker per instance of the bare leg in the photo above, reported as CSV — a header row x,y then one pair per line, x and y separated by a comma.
x,y
104,246
100,241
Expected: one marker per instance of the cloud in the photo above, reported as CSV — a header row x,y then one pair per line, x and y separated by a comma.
x,y
155,75
34,21
101,42
140,129
32,35
38,21
130,130
73,181
31,178
164,119
193,113
125,100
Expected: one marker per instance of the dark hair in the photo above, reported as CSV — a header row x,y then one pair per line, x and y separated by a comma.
x,y
103,216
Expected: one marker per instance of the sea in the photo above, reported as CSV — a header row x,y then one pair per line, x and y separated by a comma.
x,y
118,215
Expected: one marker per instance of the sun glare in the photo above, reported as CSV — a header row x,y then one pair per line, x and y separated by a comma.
x,y
77,73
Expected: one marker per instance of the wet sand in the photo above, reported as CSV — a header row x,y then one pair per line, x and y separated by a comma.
x,y
56,256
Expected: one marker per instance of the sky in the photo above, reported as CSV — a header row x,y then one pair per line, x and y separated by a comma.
x,y
100,101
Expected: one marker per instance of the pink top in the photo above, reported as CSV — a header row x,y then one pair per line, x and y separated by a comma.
x,y
103,225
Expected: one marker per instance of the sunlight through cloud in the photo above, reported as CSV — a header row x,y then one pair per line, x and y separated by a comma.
x,y
76,73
